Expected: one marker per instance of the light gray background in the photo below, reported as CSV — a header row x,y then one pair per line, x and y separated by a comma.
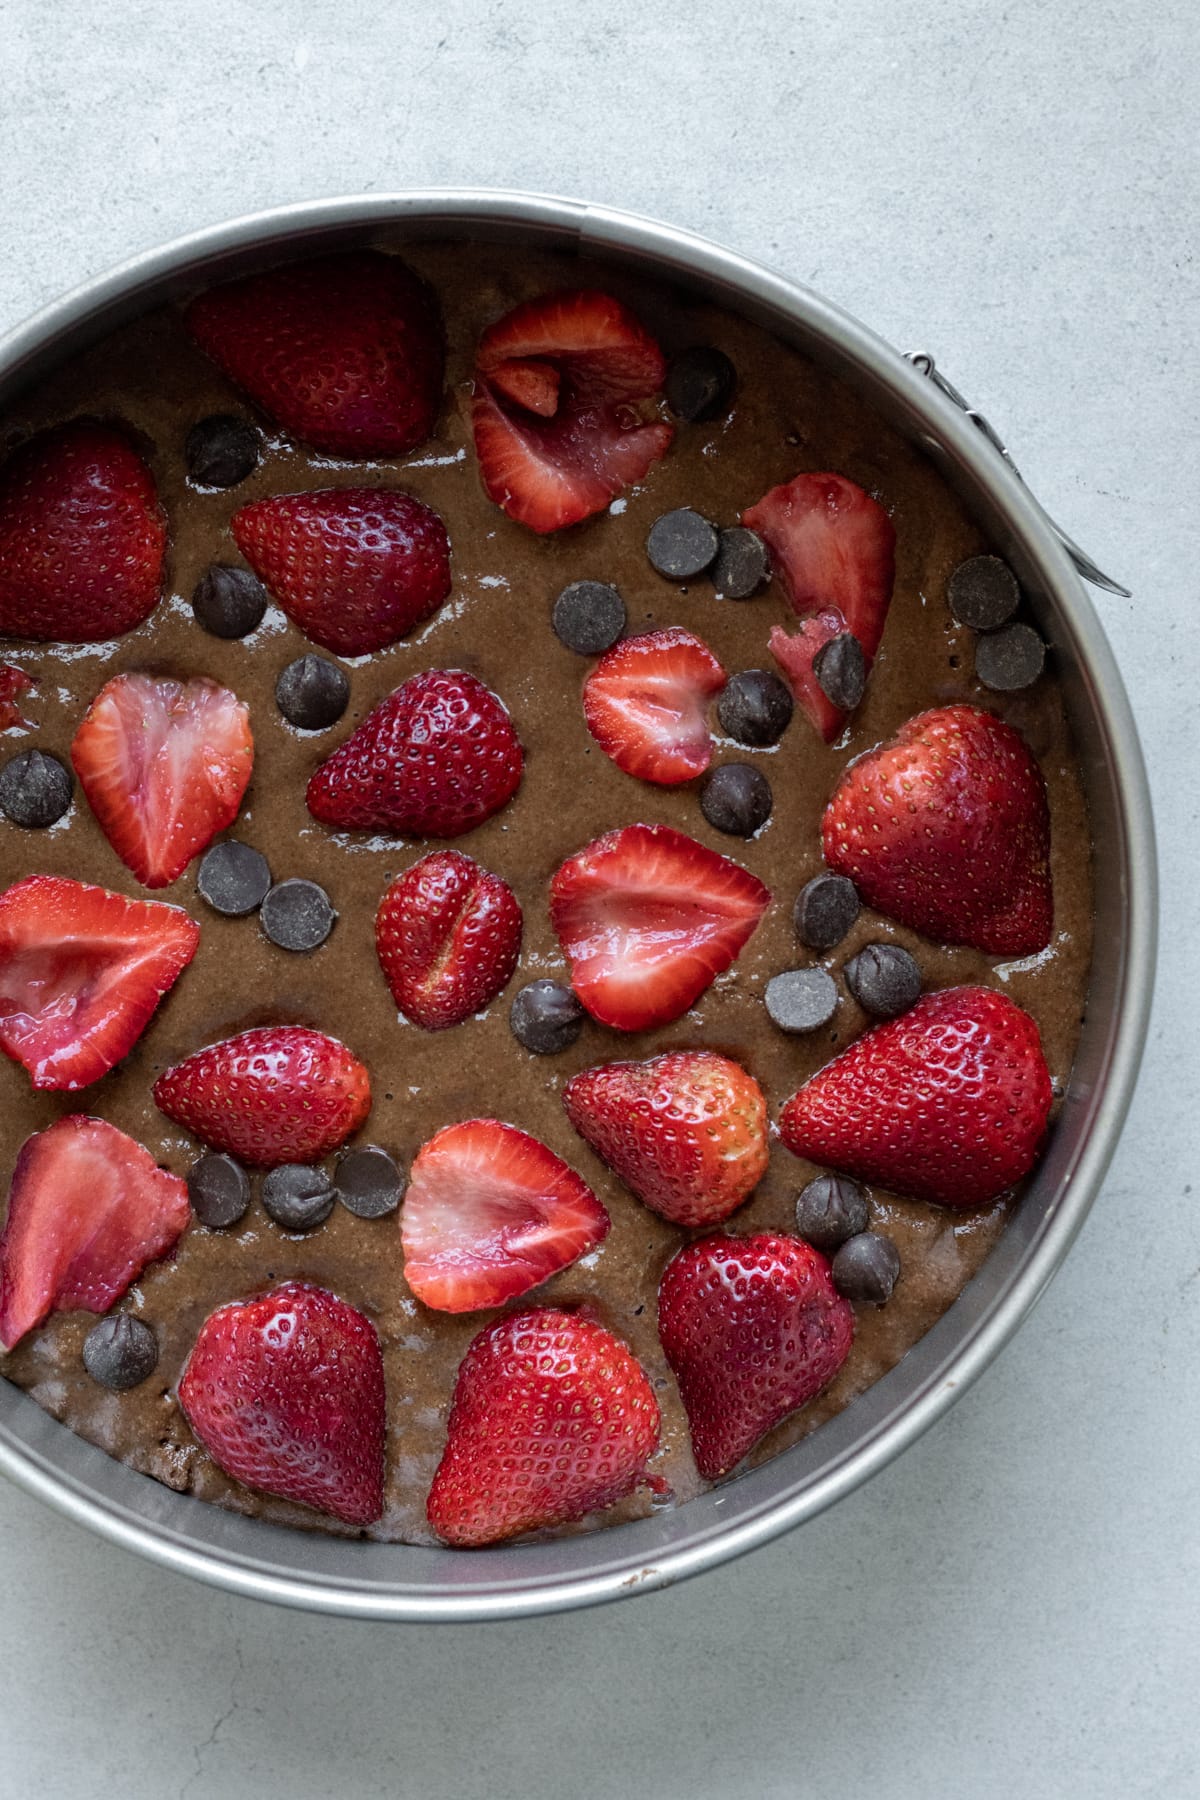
x,y
1012,1608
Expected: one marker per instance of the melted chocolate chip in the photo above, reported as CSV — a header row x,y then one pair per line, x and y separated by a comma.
x,y
546,1018
983,593
801,999
229,602
298,1198
312,694
736,799
743,564
884,979
219,1190
866,1268
681,544
589,617
297,915
233,878
755,708
368,1182
35,790
825,909
221,450
831,1209
120,1352
841,671
1010,659
700,383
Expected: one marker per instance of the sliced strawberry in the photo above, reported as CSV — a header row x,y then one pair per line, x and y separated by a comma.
x,y
344,351
87,1210
354,568
448,935
13,683
648,918
278,1094
81,972
794,652
164,765
552,1418
82,537
286,1393
490,1212
529,382
645,705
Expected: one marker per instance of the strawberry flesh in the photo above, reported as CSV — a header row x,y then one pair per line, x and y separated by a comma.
x,y
795,651
13,683
529,382
645,705
448,935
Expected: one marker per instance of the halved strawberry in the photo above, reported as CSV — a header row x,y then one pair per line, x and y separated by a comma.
x,y
648,918
795,651
490,1212
87,1210
164,765
645,703
81,972
550,465
447,935
13,683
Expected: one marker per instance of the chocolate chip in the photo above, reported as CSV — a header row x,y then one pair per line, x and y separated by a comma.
x,y
866,1268
233,878
368,1182
743,565
546,1017
1010,659
229,602
801,999
841,671
825,909
297,915
831,1209
755,708
681,544
120,1352
221,450
298,1198
983,593
312,694
35,790
884,979
219,1190
700,383
589,617
736,798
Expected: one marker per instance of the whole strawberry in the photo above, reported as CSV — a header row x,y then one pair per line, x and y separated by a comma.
x,y
947,1103
552,1418
285,1392
947,830
448,935
434,759
278,1094
82,537
753,1328
686,1132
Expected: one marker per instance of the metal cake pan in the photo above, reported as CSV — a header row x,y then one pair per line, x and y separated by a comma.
x,y
415,1584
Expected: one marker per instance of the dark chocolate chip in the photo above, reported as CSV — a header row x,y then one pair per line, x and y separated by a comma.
x,y
681,544
219,1190
35,790
866,1268
1010,659
884,979
312,694
120,1352
298,1198
233,878
736,798
831,1209
983,593
700,383
742,566
755,708
221,450
825,909
368,1182
841,671
802,999
546,1017
297,915
229,602
589,617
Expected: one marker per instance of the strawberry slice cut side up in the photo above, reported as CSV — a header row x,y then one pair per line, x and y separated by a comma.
x,y
645,704
490,1212
13,683
448,935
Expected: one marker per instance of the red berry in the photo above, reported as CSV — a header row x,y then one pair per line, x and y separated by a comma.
x,y
13,683
448,935
645,704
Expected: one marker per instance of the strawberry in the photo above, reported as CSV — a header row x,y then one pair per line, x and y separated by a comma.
x,y
794,651
164,765
81,972
82,537
345,351
447,935
277,1094
648,918
552,1419
644,703
946,828
434,759
87,1210
556,430
490,1212
947,1103
686,1132
286,1393
752,1328
354,568
13,683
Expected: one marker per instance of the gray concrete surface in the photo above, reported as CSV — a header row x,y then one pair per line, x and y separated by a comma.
x,y
1011,1609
